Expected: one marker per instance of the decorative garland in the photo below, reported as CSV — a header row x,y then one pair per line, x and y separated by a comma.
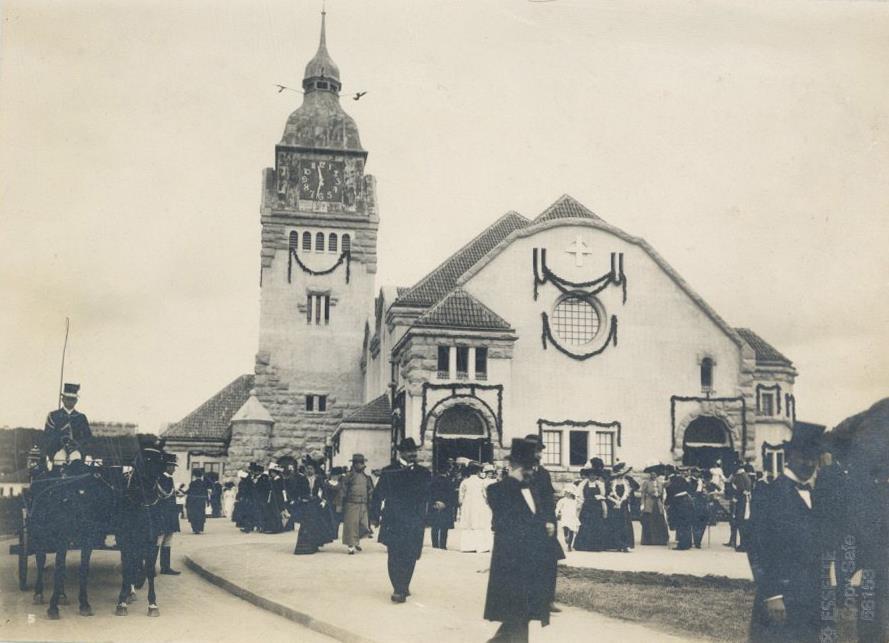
x,y
790,405
771,387
498,416
680,398
548,335
578,424
345,255
542,274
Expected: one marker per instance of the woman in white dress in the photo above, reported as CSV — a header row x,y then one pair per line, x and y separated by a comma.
x,y
475,514
228,499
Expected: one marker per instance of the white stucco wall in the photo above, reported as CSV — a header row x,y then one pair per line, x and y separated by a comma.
x,y
662,336
372,443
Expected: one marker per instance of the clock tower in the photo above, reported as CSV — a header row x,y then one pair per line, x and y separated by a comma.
x,y
319,256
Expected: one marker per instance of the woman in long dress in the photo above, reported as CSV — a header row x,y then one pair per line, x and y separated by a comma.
x,y
475,514
593,534
228,499
654,524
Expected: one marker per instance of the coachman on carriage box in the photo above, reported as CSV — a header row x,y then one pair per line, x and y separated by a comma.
x,y
66,431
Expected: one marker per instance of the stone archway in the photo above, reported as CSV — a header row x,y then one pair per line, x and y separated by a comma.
x,y
705,440
461,426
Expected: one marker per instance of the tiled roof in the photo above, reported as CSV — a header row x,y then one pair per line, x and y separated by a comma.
x,y
766,354
212,419
459,309
566,207
377,411
402,290
442,280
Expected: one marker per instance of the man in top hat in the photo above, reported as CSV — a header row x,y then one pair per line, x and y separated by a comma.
x,y
196,501
542,483
66,431
519,586
353,499
741,488
787,546
167,513
400,502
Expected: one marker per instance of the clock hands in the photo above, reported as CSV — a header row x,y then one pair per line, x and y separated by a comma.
x,y
319,195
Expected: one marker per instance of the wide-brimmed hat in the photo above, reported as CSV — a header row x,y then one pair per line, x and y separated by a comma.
x,y
597,465
170,458
70,390
197,471
358,457
620,469
534,439
408,444
255,468
523,453
488,467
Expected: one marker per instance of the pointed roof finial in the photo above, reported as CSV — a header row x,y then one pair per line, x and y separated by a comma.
x,y
323,42
322,66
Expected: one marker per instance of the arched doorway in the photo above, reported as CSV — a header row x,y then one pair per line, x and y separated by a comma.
x,y
461,431
707,439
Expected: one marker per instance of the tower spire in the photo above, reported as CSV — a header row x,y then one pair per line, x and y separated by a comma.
x,y
323,43
321,72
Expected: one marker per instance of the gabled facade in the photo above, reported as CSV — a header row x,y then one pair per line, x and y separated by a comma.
x,y
569,327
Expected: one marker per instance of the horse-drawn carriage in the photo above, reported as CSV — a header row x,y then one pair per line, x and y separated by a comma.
x,y
106,501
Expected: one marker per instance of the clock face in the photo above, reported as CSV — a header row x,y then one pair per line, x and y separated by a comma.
x,y
321,180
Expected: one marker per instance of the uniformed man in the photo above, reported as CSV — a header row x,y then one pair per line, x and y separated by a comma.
x,y
400,504
67,430
168,513
353,499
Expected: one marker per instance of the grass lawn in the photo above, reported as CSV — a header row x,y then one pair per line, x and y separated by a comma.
x,y
713,608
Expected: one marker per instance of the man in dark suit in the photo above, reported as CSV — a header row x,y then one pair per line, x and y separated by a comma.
x,y
166,513
519,585
67,430
542,484
196,501
400,505
786,538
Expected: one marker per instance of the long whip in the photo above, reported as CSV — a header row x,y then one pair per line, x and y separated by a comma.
x,y
62,370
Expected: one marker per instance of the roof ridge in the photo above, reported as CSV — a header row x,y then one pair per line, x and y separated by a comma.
x,y
566,198
465,247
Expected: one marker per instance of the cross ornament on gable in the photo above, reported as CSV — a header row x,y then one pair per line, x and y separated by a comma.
x,y
578,248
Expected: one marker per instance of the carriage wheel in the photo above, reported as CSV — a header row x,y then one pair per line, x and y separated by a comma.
x,y
24,544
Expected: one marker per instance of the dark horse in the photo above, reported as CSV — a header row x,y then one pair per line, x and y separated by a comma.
x,y
69,507
139,526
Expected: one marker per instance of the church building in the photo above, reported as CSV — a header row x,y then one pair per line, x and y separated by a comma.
x,y
559,323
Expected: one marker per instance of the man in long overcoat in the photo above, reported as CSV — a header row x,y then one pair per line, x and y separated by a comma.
x,y
353,500
400,505
196,501
787,544
543,485
519,586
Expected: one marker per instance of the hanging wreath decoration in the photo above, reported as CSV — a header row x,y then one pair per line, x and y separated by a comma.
x,y
542,275
547,337
345,255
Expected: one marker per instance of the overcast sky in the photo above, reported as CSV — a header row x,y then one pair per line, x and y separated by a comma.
x,y
747,142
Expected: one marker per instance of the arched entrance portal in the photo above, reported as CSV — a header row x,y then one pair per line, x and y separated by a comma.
x,y
707,439
461,431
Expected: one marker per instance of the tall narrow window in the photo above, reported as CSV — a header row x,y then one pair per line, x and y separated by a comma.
x,y
443,361
309,309
481,363
294,240
767,403
322,402
310,402
307,241
318,305
462,362
331,242
552,452
578,448
319,242
326,309
605,446
347,243
706,374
